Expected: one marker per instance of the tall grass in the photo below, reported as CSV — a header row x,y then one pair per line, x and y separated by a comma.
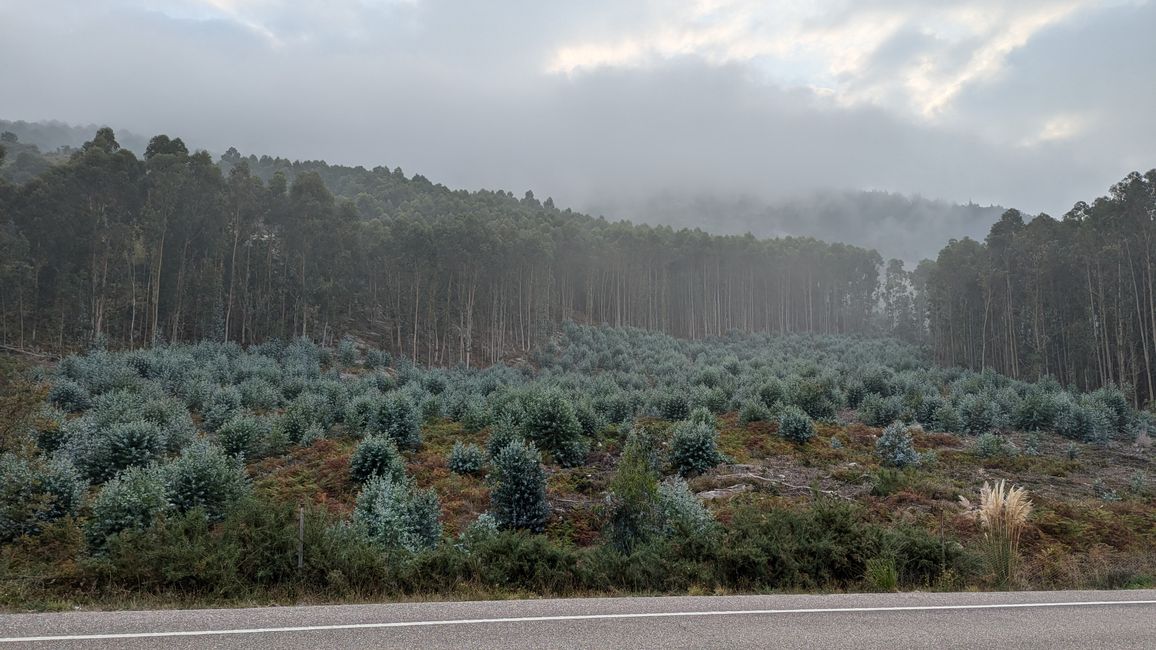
x,y
1002,512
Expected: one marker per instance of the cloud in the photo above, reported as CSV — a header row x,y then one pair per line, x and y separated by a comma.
x,y
1034,104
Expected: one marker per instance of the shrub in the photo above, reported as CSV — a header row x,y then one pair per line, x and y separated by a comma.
x,y
1078,421
397,515
895,446
398,418
795,425
474,415
377,359
504,431
241,436
701,415
1115,404
131,444
772,392
33,493
813,396
878,411
552,425
631,500
69,396
346,353
947,418
99,453
132,500
361,412
672,405
682,513
693,448
929,404
466,459
1037,411
518,493
481,530
989,445
754,411
205,477
259,395
980,414
376,456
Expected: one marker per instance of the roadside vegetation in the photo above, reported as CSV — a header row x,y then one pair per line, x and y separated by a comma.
x,y
611,460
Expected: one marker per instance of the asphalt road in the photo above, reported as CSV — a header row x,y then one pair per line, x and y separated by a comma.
x,y
1074,619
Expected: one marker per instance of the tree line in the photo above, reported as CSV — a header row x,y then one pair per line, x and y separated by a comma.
x,y
174,246
1073,297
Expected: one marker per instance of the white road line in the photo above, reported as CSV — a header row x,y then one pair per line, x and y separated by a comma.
x,y
571,617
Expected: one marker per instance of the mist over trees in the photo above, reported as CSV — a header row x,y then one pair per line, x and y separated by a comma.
x,y
174,246
898,226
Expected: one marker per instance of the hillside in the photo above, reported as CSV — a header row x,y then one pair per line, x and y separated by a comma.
x,y
611,461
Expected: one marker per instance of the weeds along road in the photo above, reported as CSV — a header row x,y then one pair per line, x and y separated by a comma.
x,y
1118,619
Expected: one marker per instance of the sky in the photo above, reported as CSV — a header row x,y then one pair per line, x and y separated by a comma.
x,y
1034,104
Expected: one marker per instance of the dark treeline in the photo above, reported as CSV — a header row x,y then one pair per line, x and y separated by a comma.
x,y
1073,298
175,247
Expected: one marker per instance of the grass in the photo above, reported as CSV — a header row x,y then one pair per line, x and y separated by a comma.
x,y
1002,512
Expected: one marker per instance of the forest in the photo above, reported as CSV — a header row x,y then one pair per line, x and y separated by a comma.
x,y
176,247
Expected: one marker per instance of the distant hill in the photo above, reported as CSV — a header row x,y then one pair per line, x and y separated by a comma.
x,y
909,228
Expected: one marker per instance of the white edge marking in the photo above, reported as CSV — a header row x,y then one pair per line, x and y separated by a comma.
x,y
571,617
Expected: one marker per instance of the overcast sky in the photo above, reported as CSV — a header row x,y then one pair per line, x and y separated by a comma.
x,y
1033,104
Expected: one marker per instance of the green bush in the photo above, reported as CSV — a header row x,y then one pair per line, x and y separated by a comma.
x,y
397,515
989,445
466,459
795,425
1079,421
878,411
632,516
754,411
895,447
205,477
518,492
33,493
672,405
693,448
100,453
69,396
242,435
683,514
813,396
552,425
376,456
1037,411
980,414
131,500
504,431
702,415
398,418
947,418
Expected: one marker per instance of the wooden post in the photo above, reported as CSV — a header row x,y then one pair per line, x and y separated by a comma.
x,y
300,536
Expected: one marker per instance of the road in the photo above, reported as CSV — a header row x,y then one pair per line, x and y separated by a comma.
x,y
1074,619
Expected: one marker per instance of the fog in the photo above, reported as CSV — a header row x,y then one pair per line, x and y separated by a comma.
x,y
616,109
